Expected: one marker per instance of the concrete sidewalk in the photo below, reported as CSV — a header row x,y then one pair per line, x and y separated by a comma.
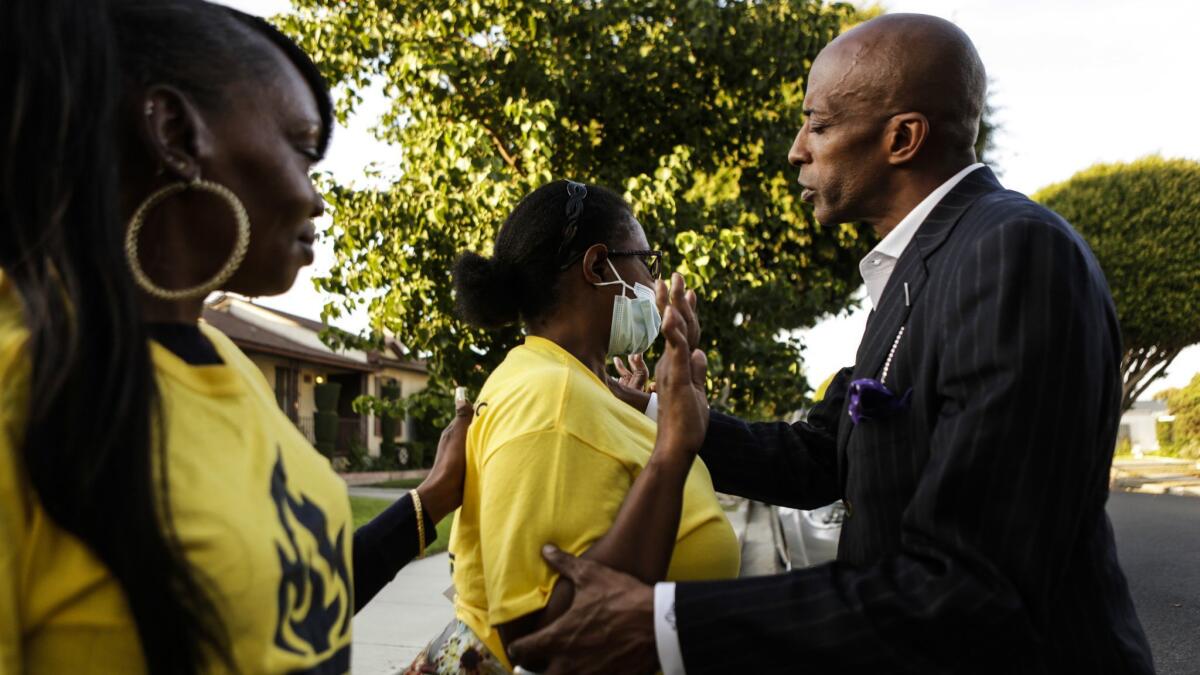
x,y
1156,475
397,624
410,611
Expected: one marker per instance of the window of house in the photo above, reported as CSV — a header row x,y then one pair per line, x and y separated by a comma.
x,y
287,391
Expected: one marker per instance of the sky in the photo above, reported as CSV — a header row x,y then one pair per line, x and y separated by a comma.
x,y
1075,82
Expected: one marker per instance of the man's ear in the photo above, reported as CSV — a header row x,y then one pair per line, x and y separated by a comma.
x,y
177,137
906,135
595,264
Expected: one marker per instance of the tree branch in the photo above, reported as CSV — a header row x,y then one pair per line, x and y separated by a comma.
x,y
508,159
1167,360
1151,364
512,162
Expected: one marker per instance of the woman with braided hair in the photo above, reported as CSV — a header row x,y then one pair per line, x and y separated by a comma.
x,y
158,512
556,453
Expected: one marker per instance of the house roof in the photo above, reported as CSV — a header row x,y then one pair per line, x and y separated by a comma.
x,y
255,328
1150,406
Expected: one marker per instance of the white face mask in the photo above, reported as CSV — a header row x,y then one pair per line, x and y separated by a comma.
x,y
635,321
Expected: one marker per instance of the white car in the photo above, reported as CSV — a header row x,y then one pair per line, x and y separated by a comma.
x,y
810,537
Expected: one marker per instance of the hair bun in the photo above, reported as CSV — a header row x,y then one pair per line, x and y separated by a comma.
x,y
487,291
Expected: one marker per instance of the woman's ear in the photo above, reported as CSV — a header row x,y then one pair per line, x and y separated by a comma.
x,y
177,137
595,263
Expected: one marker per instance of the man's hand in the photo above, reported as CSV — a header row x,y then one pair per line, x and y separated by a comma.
x,y
680,377
441,491
608,629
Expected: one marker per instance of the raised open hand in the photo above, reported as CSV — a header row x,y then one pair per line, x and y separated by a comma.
x,y
678,295
680,375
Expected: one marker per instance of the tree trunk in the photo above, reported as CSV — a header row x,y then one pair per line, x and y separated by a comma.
x,y
1140,368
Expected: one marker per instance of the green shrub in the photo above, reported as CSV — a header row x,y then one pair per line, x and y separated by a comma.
x,y
387,431
416,455
325,430
1124,447
1182,432
326,395
325,419
360,459
430,410
1164,430
387,462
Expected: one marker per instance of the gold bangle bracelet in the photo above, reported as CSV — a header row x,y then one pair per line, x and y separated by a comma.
x,y
420,521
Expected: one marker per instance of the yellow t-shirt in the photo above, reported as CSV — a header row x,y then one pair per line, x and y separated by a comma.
x,y
256,507
551,455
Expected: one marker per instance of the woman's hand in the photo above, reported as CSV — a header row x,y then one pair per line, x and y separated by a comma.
x,y
631,386
680,376
441,491
665,295
635,375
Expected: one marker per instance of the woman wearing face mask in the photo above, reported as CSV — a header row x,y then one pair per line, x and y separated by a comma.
x,y
158,512
553,454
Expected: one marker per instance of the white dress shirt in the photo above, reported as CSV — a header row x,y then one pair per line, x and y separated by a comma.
x,y
876,269
652,407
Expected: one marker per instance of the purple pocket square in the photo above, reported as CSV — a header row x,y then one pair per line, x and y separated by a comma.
x,y
870,399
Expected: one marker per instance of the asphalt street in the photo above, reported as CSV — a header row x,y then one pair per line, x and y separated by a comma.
x,y
1158,543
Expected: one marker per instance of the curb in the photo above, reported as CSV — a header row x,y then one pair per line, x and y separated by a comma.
x,y
1190,489
371,477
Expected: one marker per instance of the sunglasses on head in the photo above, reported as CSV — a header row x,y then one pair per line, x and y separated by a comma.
x,y
576,192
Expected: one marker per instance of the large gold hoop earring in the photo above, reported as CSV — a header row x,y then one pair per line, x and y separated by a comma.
x,y
222,275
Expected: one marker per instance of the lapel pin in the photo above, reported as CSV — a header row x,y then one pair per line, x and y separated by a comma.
x,y
906,301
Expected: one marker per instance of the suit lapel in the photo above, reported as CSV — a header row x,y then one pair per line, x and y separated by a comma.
x,y
893,309
911,271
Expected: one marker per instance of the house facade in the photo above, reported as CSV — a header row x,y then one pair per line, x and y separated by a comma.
x,y
293,359
1140,423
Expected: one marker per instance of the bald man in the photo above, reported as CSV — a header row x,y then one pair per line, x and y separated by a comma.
x,y
971,441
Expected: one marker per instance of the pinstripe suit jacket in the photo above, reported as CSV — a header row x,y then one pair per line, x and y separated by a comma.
x,y
976,539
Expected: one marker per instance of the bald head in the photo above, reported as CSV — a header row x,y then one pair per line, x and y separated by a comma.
x,y
908,63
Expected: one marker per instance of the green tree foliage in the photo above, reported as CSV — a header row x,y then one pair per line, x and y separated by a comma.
x,y
688,107
1142,219
1184,405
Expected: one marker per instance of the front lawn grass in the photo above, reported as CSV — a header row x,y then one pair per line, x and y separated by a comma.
x,y
366,508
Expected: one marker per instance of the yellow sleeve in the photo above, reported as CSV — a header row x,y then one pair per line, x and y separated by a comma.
x,y
539,488
819,395
13,506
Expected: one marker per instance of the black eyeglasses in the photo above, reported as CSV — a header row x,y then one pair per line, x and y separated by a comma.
x,y
652,259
